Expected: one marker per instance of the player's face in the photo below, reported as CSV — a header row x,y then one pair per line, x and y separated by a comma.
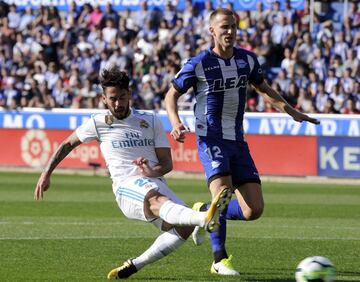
x,y
223,30
117,101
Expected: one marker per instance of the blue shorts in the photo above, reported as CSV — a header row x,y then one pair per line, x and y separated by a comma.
x,y
221,157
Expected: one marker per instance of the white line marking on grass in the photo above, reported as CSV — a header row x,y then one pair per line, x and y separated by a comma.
x,y
61,223
142,223
297,238
153,236
75,238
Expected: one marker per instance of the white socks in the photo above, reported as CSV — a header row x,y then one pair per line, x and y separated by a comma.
x,y
179,215
166,243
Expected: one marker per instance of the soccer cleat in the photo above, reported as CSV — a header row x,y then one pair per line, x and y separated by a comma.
x,y
122,272
198,235
224,267
217,206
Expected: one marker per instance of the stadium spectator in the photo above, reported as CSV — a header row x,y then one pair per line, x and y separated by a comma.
x,y
321,97
331,80
137,160
14,17
109,14
222,150
95,17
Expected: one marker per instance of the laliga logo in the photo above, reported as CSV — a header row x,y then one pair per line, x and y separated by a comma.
x,y
35,148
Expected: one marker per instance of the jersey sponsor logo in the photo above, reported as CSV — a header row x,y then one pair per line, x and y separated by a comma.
x,y
241,63
132,143
229,83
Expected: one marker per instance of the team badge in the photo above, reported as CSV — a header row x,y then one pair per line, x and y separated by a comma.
x,y
144,124
109,119
241,63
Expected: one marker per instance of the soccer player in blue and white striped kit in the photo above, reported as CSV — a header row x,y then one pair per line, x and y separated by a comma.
x,y
219,77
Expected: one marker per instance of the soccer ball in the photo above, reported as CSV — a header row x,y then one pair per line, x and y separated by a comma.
x,y
315,269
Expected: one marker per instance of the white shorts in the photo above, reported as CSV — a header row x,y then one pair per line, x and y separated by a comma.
x,y
131,194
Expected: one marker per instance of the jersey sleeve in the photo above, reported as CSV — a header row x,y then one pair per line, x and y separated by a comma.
x,y
87,131
256,75
185,78
160,138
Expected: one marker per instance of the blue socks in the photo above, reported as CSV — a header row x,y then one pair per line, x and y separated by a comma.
x,y
233,212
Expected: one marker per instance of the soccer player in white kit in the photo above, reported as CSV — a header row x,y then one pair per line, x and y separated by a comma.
x,y
137,154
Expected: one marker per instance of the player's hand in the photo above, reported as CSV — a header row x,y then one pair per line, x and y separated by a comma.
x,y
42,186
300,117
145,169
178,132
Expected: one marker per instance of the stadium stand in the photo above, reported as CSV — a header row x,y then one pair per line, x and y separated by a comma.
x,y
51,59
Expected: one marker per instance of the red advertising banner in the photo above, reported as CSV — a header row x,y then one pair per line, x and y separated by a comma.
x,y
33,148
273,155
185,155
284,155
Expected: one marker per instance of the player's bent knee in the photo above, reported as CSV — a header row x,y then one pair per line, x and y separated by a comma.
x,y
253,213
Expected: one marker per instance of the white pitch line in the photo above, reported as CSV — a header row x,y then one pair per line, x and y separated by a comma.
x,y
148,236
74,238
64,223
141,223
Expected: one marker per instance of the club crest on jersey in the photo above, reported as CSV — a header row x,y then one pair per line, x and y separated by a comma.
x,y
144,124
109,119
241,63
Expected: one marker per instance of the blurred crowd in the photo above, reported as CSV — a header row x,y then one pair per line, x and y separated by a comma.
x,y
52,59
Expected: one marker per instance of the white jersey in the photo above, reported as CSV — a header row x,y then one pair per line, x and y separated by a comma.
x,y
123,141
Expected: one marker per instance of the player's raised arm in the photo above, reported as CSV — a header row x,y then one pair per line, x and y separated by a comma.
x,y
279,102
62,151
178,128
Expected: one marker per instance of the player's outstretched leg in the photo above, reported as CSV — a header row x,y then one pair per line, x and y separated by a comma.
x,y
122,272
164,244
217,206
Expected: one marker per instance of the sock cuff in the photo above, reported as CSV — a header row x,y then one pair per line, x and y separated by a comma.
x,y
165,209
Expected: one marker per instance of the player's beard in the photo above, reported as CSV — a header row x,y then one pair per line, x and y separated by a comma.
x,y
121,112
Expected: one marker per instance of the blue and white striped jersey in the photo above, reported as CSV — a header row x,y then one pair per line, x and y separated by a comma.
x,y
220,90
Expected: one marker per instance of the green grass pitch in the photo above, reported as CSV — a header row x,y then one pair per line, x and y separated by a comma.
x,y
77,233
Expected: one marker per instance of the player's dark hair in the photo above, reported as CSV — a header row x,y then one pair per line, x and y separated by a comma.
x,y
221,11
114,77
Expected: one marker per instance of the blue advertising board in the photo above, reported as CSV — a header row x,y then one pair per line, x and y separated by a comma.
x,y
339,157
254,123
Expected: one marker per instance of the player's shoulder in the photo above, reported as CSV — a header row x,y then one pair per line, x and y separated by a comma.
x,y
199,57
240,52
145,118
143,113
103,118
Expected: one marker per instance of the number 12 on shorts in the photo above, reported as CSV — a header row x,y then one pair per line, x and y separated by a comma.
x,y
214,152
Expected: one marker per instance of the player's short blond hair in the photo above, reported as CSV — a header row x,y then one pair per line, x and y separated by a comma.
x,y
220,11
